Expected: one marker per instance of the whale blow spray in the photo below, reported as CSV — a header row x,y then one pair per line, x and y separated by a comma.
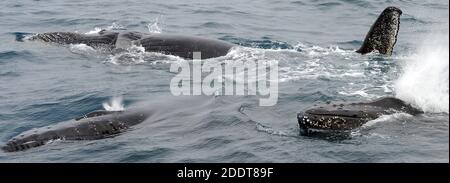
x,y
425,78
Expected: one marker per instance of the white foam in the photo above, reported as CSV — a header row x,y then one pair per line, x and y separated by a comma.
x,y
317,51
425,79
269,130
95,31
113,26
82,49
137,55
359,92
386,118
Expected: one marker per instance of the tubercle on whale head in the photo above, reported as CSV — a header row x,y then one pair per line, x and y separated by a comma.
x,y
310,123
346,117
392,9
382,36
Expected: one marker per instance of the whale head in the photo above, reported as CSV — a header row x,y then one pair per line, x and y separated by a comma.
x,y
382,36
348,116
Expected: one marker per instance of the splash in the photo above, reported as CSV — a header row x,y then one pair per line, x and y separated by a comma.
x,y
136,55
116,26
113,26
153,27
115,104
425,78
317,51
132,55
95,31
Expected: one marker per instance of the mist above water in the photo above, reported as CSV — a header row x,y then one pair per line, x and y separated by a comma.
x,y
425,78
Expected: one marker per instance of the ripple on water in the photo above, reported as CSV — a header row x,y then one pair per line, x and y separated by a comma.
x,y
13,55
154,155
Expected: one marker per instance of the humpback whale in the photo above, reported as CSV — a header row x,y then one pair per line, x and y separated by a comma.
x,y
172,44
345,117
92,126
381,37
102,124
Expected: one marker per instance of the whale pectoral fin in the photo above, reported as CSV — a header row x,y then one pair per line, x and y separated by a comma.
x,y
382,36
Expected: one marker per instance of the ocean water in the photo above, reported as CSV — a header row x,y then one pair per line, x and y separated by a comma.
x,y
313,42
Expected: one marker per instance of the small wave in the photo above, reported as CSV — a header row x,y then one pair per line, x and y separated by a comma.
x,y
9,74
359,92
360,3
216,25
265,43
22,36
413,19
269,130
7,56
302,3
207,12
328,5
312,50
68,22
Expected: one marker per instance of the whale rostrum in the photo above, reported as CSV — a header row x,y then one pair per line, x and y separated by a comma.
x,y
347,116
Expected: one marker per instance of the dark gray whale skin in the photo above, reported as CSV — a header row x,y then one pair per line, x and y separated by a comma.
x,y
172,44
92,126
345,117
382,36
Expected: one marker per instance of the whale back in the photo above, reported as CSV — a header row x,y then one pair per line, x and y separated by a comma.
x,y
184,46
95,125
382,36
104,39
